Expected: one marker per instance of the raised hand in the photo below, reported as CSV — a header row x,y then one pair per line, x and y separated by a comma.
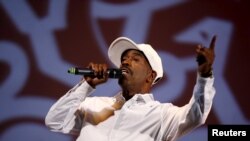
x,y
205,58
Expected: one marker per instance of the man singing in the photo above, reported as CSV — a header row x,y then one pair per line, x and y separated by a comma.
x,y
133,114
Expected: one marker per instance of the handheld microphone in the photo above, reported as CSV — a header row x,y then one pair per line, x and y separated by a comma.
x,y
112,73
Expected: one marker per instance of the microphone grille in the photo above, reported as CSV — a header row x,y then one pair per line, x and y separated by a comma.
x,y
115,73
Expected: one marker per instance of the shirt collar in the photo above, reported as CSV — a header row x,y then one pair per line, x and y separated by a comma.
x,y
119,98
142,98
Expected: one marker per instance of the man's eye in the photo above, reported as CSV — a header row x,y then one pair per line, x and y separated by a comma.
x,y
136,59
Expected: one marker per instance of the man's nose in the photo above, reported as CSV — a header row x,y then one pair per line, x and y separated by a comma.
x,y
125,62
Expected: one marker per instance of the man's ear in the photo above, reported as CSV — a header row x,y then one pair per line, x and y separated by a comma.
x,y
151,76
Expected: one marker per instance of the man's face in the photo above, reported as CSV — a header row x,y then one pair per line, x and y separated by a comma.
x,y
135,68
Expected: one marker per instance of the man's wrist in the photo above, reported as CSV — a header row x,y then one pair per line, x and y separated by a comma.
x,y
207,74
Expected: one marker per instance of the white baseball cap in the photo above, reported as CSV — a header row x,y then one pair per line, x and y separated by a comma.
x,y
121,44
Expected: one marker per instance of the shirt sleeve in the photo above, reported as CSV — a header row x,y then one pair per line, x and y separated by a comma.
x,y
64,115
177,121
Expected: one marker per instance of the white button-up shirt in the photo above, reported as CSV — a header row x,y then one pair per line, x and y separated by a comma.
x,y
139,119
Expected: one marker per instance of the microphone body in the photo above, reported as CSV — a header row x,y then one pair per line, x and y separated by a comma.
x,y
112,73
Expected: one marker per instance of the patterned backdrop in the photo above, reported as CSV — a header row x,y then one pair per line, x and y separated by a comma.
x,y
41,39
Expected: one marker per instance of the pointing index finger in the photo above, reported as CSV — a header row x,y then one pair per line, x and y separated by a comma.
x,y
212,44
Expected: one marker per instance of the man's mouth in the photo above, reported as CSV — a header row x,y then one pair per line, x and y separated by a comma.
x,y
125,71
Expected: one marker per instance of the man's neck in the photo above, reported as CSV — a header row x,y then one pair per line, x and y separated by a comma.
x,y
129,94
